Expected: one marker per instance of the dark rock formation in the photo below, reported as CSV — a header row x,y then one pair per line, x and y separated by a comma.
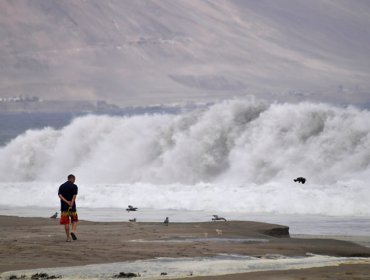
x,y
278,232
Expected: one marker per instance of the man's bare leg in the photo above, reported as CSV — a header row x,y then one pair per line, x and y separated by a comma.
x,y
66,227
73,231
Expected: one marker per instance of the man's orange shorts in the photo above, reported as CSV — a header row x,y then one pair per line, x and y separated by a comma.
x,y
67,217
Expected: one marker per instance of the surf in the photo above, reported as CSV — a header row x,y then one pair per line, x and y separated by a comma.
x,y
247,152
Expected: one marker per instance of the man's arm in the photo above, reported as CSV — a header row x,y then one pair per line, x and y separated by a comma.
x,y
73,199
66,201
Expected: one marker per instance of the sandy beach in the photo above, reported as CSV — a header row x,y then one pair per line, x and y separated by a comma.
x,y
31,243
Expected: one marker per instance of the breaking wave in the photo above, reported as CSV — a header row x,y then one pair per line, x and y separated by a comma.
x,y
242,153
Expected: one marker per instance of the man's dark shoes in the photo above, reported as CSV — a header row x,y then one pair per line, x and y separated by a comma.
x,y
74,237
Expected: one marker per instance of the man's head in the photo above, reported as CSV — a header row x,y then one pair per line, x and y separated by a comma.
x,y
71,178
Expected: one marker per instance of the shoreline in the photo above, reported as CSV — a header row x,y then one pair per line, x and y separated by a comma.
x,y
299,224
207,268
33,243
361,240
340,272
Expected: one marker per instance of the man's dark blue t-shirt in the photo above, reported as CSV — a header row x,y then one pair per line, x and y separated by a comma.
x,y
67,190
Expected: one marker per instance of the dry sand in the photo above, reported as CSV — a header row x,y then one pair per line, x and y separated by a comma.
x,y
27,243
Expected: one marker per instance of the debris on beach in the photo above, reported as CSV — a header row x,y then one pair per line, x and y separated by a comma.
x,y
37,276
219,231
42,276
126,275
13,277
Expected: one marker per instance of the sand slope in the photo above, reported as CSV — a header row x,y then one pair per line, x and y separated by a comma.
x,y
38,242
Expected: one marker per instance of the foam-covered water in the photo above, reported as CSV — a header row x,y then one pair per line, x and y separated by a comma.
x,y
238,155
183,267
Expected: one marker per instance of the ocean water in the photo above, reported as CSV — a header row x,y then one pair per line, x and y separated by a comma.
x,y
236,157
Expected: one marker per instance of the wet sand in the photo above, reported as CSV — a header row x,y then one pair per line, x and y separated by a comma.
x,y
341,272
27,243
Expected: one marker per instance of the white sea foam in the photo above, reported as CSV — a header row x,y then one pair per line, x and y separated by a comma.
x,y
236,154
182,267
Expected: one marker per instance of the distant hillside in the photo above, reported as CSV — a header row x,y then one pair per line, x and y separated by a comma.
x,y
157,51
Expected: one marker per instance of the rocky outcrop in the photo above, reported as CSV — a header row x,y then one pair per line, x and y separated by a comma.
x,y
282,231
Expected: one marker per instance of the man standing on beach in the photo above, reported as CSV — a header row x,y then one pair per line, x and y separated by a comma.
x,y
67,194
